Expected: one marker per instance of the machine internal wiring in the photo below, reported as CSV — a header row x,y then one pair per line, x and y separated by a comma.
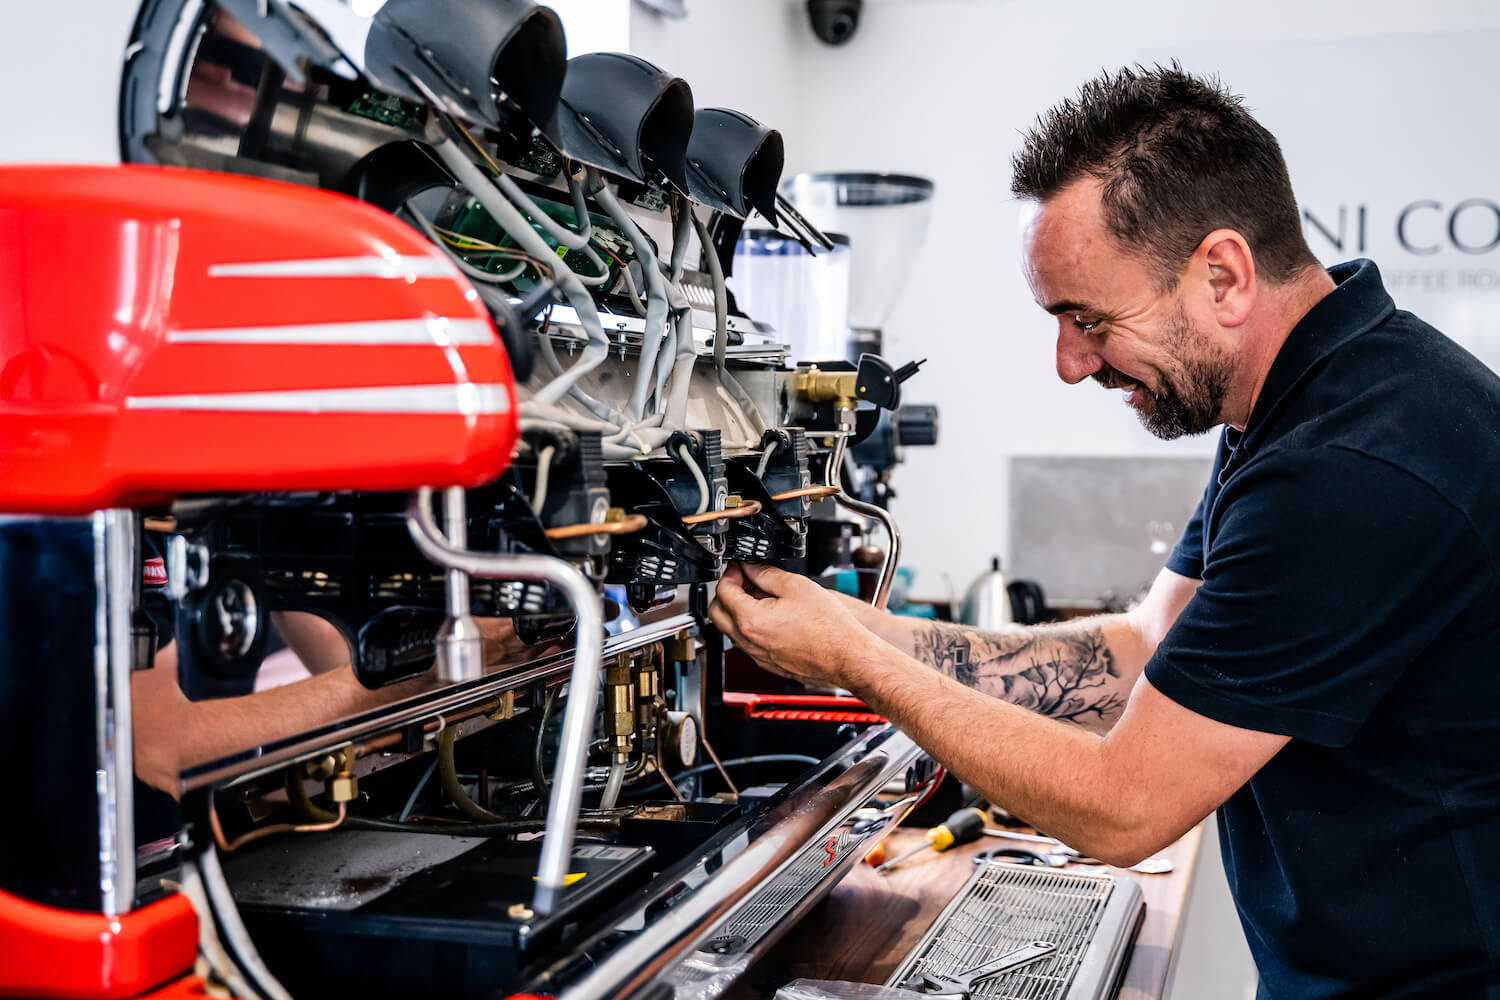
x,y
230,846
697,471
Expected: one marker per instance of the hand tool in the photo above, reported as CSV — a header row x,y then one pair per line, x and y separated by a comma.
x,y
962,827
959,985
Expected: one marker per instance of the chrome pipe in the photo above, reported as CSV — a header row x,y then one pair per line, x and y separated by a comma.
x,y
893,551
583,684
117,573
460,647
711,895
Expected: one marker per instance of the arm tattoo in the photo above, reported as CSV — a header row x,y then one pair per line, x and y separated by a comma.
x,y
1066,673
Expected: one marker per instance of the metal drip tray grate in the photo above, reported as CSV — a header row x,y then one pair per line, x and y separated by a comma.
x,y
1004,906
771,904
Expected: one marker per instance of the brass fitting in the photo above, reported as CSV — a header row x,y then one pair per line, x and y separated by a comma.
x,y
682,647
505,708
818,386
647,698
326,767
343,787
619,709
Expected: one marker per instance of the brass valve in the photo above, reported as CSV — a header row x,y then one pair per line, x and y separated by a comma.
x,y
619,709
647,698
818,386
328,766
682,647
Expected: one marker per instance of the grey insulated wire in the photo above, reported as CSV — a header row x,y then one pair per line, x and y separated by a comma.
x,y
580,205
543,471
697,471
721,327
514,223
562,234
412,799
469,270
765,459
680,237
656,291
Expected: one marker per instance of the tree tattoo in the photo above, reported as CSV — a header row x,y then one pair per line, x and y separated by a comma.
x,y
1064,672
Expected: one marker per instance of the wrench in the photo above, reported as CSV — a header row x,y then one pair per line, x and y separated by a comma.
x,y
959,985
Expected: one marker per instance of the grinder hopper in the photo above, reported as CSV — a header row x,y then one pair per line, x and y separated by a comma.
x,y
885,217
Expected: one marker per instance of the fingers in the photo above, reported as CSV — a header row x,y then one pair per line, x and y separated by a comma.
x,y
731,590
775,582
724,621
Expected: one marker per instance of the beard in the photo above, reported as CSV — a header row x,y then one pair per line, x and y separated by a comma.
x,y
1190,398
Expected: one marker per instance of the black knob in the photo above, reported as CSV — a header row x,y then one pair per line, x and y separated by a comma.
x,y
917,425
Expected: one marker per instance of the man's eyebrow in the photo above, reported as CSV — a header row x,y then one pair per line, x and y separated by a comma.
x,y
1066,306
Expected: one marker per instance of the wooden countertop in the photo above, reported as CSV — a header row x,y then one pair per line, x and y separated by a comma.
x,y
870,922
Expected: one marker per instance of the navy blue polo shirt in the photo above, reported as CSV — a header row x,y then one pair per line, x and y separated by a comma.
x,y
1347,545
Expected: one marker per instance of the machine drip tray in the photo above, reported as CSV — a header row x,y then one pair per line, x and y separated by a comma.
x,y
405,914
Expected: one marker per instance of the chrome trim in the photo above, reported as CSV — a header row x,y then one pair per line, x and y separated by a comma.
x,y
116,569
432,331
583,686
392,266
259,760
646,943
893,551
174,68
465,399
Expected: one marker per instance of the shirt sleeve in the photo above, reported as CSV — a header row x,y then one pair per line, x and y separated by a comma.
x,y
1186,557
1328,574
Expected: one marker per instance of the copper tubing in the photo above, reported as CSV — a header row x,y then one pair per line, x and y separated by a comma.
x,y
628,525
746,509
703,739
813,492
388,740
230,846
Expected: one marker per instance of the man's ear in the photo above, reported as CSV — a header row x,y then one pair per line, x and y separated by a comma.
x,y
1224,262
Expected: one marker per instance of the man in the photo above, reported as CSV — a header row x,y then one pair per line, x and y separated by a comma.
x,y
1317,661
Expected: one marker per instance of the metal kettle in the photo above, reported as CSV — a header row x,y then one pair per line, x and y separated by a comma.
x,y
987,604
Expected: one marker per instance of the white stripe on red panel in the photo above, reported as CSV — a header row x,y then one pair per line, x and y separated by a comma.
x,y
466,399
394,266
435,331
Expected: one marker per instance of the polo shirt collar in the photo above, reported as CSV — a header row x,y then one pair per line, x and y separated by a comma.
x,y
1357,304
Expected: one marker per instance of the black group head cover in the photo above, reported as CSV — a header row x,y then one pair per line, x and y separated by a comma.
x,y
489,57
625,116
734,163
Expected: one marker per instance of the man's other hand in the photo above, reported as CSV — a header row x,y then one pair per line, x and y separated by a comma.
x,y
788,624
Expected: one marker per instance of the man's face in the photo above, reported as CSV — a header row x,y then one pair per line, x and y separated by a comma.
x,y
1114,323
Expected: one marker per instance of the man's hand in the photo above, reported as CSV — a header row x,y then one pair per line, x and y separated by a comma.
x,y
788,624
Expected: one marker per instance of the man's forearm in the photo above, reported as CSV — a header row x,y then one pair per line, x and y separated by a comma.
x,y
1080,671
1057,776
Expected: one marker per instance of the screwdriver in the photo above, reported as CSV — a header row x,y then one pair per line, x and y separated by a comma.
x,y
963,827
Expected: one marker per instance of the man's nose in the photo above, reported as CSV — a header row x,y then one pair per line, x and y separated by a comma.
x,y
1076,359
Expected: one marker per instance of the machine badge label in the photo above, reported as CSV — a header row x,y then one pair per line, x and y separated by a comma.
x,y
154,572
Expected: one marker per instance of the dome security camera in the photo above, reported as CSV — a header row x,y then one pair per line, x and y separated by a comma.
x,y
834,21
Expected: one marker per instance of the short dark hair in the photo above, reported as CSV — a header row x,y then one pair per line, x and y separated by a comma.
x,y
1178,157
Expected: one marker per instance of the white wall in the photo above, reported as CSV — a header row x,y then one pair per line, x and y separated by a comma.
x,y
943,88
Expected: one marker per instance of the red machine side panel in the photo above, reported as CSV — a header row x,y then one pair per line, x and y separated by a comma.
x,y
60,953
170,331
